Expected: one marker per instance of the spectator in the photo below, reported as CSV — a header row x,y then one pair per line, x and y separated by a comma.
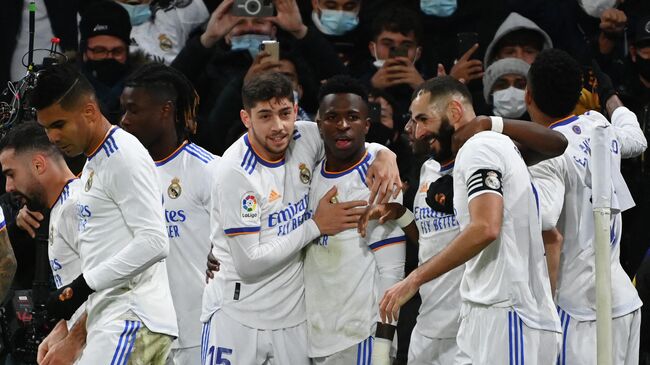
x,y
504,86
395,29
224,52
105,58
161,27
517,37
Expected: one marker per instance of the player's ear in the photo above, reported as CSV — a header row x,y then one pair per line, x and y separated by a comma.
x,y
245,118
454,111
366,128
39,164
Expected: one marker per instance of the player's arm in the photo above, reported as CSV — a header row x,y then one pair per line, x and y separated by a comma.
x,y
7,259
486,215
389,212
134,188
388,248
535,142
68,349
553,247
626,128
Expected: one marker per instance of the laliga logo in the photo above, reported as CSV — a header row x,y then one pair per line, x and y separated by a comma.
x,y
250,203
249,207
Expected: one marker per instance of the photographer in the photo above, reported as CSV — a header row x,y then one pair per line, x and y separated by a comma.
x,y
225,50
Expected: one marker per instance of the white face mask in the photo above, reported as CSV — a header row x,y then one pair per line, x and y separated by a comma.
x,y
509,103
596,7
377,63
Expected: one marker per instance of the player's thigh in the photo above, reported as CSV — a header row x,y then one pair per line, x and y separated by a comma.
x,y
226,340
110,343
431,351
185,356
359,354
289,345
625,335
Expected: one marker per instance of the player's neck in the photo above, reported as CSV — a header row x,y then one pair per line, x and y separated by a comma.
x,y
58,181
545,120
333,164
167,144
98,134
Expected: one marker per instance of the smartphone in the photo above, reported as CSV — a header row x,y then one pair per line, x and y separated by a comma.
x,y
466,41
374,112
399,51
272,48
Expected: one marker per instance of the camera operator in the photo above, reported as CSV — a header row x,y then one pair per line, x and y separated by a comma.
x,y
36,171
225,50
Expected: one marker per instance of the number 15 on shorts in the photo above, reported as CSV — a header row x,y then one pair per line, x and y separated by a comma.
x,y
218,356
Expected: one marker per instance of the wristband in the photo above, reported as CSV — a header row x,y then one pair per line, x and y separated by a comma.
x,y
405,219
497,124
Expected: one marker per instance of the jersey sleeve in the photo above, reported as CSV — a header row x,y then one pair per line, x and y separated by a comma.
x,y
131,184
388,244
68,227
628,132
240,210
481,168
308,132
548,179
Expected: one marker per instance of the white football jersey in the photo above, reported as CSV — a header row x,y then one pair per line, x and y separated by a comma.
x,y
185,182
164,37
62,250
265,203
511,271
346,274
565,190
440,297
122,239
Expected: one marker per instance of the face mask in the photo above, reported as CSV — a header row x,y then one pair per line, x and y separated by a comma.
x,y
107,71
509,103
643,67
378,62
338,22
439,8
250,42
595,8
137,13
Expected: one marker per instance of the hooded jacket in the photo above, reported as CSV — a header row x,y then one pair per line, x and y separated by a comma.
x,y
513,22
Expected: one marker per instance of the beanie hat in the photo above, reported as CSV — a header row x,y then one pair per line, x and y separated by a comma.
x,y
105,18
499,68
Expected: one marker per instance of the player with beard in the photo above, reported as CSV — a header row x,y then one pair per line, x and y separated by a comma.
x,y
504,305
35,169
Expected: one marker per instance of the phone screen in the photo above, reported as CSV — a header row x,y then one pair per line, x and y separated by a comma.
x,y
465,41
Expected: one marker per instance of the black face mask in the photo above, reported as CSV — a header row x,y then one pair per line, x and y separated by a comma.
x,y
643,67
379,133
107,71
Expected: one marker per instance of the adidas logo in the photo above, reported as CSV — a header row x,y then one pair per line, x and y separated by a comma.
x,y
100,27
274,196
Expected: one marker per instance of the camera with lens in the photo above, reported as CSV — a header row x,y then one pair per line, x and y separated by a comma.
x,y
254,8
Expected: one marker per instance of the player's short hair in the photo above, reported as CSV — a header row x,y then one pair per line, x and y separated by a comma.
x,y
62,84
555,82
265,87
397,19
442,88
165,83
28,137
343,84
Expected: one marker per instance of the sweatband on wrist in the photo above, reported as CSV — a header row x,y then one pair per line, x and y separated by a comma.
x,y
497,124
405,219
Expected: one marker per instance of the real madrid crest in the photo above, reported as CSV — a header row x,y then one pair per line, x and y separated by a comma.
x,y
492,180
305,174
89,182
174,190
165,43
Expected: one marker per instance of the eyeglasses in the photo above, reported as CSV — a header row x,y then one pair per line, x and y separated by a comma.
x,y
102,52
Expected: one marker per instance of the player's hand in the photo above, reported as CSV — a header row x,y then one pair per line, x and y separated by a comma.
x,y
261,64
213,266
395,297
383,212
461,135
383,177
64,352
221,23
57,334
288,18
332,217
466,70
613,21
29,221
64,302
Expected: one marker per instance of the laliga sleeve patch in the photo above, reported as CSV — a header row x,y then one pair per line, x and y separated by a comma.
x,y
484,180
249,207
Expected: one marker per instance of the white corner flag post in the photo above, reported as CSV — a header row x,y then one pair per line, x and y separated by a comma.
x,y
601,197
